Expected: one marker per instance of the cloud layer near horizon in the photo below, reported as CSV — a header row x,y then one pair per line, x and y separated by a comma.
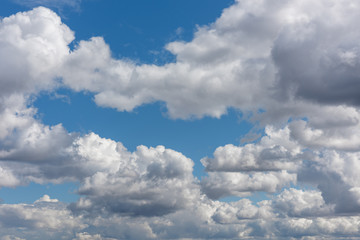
x,y
296,61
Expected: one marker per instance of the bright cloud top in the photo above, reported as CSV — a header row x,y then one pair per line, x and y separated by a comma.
x,y
290,66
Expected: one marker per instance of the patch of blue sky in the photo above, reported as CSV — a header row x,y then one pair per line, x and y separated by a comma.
x,y
147,125
65,192
139,29
255,197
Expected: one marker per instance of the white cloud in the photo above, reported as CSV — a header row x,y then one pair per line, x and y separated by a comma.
x,y
275,151
325,130
299,203
223,184
148,182
39,220
249,58
7,178
236,212
208,77
46,198
335,175
34,44
256,55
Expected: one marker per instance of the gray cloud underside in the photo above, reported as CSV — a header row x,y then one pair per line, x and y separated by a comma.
x,y
295,61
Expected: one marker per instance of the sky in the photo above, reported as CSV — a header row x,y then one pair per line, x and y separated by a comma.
x,y
182,119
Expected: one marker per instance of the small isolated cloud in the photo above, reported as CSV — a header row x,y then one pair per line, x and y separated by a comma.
x,y
46,198
179,31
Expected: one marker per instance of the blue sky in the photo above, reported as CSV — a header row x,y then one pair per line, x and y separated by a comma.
x,y
136,30
174,119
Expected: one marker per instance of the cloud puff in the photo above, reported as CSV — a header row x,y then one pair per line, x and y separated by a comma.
x,y
316,51
34,44
275,151
223,184
335,175
299,203
266,166
46,198
147,182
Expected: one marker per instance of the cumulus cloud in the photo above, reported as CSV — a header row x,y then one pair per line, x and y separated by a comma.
x,y
223,184
42,219
148,182
295,61
340,133
316,51
34,44
286,156
46,198
299,203
207,78
256,55
267,165
275,151
334,174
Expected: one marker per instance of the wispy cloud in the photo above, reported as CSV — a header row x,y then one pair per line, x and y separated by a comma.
x,y
54,4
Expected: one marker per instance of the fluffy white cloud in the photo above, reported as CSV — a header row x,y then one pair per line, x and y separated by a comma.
x,y
32,44
325,130
223,184
335,175
299,203
337,226
275,151
43,219
213,72
147,182
256,55
205,219
267,165
316,51
46,198
236,212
